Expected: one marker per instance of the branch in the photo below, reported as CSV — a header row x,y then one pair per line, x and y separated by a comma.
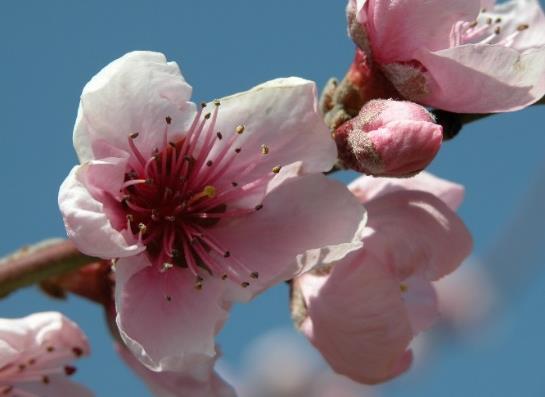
x,y
33,264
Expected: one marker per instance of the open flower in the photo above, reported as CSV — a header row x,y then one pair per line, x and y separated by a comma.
x,y
201,207
456,55
362,312
36,353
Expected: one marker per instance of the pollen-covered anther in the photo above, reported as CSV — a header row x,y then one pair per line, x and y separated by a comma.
x,y
199,283
264,149
240,129
142,228
245,284
497,30
166,267
254,275
403,287
217,102
207,116
522,26
50,349
276,169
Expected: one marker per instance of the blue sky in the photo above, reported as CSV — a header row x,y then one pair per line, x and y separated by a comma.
x,y
51,49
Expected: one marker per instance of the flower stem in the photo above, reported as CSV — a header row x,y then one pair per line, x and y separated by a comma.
x,y
32,264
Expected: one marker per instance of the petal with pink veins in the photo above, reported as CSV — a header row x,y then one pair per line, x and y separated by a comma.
x,y
133,94
87,223
495,78
357,320
306,222
164,319
367,188
417,233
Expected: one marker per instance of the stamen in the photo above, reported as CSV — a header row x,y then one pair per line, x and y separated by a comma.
x,y
240,129
264,149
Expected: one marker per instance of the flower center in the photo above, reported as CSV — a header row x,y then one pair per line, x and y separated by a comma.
x,y
172,200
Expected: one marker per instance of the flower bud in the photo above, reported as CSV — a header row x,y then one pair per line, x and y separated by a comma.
x,y
389,138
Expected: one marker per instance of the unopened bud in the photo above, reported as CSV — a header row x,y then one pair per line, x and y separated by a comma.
x,y
389,138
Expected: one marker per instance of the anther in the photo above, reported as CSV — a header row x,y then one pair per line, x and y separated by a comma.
x,y
245,284
203,105
522,26
489,21
22,367
149,181
276,169
172,145
45,379
198,283
209,163
69,370
207,115
217,102
258,207
78,351
218,134
264,149
403,287
175,253
240,129
50,349
168,119
473,24
498,20
254,275
134,135
497,30
227,254
234,184
155,214
209,191
224,277
168,298
237,150
142,227
32,361
170,218
166,266
130,217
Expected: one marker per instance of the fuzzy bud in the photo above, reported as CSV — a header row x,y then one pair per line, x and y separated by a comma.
x,y
389,138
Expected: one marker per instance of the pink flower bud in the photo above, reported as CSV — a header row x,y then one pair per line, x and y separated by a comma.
x,y
389,138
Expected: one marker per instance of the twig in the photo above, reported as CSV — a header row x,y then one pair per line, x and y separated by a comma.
x,y
35,263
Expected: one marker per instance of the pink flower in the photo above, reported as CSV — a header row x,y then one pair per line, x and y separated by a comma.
x,y
389,138
202,207
362,312
203,382
455,55
36,354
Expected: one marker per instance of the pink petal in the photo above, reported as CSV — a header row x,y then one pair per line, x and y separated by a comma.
x,y
87,222
134,93
357,320
281,114
417,233
57,386
397,30
42,343
163,318
367,188
176,384
421,302
305,222
495,78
